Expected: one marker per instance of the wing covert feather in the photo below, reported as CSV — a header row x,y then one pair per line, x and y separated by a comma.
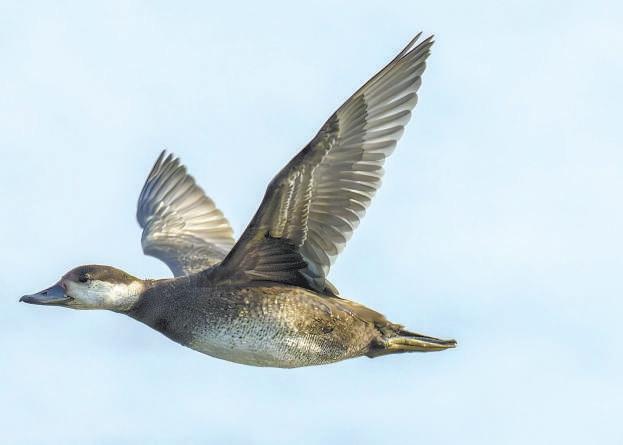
x,y
317,200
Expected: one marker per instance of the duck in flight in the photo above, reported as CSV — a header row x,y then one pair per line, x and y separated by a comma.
x,y
265,300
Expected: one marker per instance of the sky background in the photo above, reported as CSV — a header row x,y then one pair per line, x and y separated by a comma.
x,y
498,224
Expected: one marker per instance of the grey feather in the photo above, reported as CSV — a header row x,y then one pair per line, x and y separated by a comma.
x,y
317,200
181,225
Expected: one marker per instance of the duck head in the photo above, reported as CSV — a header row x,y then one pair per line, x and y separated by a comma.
x,y
91,287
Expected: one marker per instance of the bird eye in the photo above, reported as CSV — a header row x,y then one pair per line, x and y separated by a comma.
x,y
84,278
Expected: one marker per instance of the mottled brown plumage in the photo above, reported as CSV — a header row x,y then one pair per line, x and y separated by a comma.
x,y
271,325
265,300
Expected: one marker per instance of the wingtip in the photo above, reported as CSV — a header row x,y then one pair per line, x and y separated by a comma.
x,y
410,45
427,41
413,45
416,38
161,156
171,157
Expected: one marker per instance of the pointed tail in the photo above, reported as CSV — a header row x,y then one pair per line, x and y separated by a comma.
x,y
405,341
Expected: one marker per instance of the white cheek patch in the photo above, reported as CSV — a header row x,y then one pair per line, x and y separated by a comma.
x,y
103,295
90,295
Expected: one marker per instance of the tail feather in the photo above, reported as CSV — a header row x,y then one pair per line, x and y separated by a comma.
x,y
405,341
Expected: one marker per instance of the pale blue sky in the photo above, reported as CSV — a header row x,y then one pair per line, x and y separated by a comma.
x,y
499,222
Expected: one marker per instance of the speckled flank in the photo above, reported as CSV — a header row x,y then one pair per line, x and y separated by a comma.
x,y
263,326
283,330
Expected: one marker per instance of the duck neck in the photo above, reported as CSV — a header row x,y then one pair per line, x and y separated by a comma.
x,y
144,298
128,296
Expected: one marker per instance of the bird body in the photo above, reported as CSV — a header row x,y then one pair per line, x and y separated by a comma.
x,y
265,299
271,325
280,326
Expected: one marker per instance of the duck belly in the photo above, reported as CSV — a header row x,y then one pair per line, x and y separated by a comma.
x,y
282,327
262,346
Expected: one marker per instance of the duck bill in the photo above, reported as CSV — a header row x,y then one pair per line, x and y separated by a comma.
x,y
52,296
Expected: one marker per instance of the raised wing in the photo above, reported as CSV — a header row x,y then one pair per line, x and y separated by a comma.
x,y
312,207
181,225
